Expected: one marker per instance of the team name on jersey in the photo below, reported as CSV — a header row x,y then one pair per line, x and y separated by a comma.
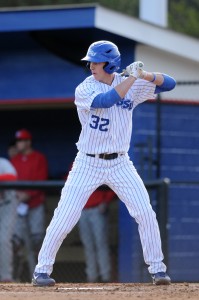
x,y
125,104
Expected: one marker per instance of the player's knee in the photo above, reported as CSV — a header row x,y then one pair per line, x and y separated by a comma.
x,y
145,213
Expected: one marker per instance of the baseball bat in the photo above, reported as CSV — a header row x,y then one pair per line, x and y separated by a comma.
x,y
123,72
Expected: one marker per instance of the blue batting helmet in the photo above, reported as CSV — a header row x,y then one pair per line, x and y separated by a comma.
x,y
104,51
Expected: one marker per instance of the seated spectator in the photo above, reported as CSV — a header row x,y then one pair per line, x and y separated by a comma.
x,y
30,165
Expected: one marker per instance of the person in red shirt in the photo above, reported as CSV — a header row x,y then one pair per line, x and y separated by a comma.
x,y
8,205
30,165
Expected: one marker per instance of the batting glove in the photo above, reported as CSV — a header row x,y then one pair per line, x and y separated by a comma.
x,y
135,69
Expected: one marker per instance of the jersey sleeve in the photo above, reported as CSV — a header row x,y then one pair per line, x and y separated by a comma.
x,y
141,91
85,94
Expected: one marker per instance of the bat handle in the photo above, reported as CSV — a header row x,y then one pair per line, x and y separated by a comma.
x,y
123,73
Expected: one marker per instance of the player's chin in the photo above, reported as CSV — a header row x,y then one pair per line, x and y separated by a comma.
x,y
96,77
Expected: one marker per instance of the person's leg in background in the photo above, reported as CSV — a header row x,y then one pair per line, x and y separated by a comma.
x,y
37,227
27,239
35,233
20,237
100,227
87,239
8,215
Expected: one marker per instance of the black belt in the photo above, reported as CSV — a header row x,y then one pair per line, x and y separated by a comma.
x,y
104,155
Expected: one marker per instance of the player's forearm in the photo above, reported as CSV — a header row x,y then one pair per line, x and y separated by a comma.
x,y
124,86
156,78
162,81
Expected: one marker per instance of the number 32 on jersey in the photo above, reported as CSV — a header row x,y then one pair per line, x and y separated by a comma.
x,y
99,123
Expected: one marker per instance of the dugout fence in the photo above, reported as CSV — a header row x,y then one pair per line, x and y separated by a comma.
x,y
70,262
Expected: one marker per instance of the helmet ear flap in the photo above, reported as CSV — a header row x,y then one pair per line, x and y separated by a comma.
x,y
108,68
105,66
113,65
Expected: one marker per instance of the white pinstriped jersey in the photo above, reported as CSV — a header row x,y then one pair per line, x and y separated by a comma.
x,y
108,130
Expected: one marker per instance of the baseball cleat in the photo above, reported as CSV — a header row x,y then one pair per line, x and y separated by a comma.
x,y
42,279
161,278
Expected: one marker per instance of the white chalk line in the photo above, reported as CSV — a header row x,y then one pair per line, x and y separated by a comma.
x,y
87,288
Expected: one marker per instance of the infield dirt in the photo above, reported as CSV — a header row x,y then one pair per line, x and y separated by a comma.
x,y
111,291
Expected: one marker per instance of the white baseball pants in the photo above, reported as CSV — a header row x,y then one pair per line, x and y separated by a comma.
x,y
87,174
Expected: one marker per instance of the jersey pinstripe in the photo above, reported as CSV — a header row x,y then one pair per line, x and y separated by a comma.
x,y
103,128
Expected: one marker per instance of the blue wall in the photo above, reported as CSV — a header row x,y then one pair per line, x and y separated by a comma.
x,y
179,162
29,71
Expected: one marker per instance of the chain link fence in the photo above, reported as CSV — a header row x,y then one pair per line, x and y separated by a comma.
x,y
70,263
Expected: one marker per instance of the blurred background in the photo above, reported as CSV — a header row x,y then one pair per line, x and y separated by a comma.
x,y
41,46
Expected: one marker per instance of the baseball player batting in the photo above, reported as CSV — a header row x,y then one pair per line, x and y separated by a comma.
x,y
105,102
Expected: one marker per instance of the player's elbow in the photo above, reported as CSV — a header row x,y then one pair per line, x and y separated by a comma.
x,y
172,84
169,83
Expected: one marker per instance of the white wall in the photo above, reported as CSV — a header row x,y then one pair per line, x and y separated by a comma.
x,y
154,11
181,69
